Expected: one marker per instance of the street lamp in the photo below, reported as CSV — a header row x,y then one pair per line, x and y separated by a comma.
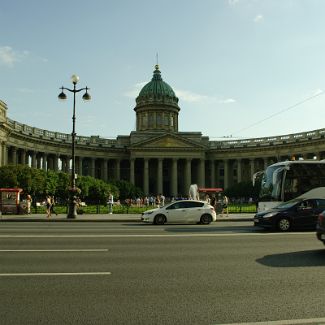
x,y
72,211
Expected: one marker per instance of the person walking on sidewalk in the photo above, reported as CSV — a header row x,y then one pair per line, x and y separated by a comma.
x,y
52,205
110,203
225,206
29,203
48,206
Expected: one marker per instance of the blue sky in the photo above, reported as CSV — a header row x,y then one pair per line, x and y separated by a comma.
x,y
239,67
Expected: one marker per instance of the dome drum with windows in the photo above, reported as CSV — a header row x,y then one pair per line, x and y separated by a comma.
x,y
157,106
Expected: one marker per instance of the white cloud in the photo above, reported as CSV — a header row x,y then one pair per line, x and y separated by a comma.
x,y
26,90
227,101
188,96
316,92
134,92
9,57
233,2
259,18
183,95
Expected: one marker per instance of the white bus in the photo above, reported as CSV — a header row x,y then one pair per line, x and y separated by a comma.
x,y
284,181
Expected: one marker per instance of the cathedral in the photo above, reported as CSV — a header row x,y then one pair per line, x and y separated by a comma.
x,y
155,157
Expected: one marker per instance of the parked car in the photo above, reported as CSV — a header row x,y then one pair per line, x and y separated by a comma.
x,y
186,211
297,213
320,227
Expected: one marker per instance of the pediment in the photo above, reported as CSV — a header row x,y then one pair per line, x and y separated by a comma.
x,y
167,141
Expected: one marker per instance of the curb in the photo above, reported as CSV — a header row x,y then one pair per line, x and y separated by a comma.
x,y
135,220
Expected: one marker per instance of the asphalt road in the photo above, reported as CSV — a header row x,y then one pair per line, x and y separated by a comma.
x,y
132,273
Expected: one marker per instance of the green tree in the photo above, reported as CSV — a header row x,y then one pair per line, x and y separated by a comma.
x,y
8,177
24,177
38,185
241,190
62,185
128,190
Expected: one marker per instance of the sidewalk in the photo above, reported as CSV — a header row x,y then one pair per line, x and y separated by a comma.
x,y
108,218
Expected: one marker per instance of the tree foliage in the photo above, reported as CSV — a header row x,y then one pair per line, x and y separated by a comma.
x,y
242,190
128,190
40,183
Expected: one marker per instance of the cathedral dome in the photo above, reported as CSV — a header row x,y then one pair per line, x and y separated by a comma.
x,y
157,89
157,106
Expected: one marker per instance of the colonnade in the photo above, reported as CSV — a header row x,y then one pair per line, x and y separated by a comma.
x,y
169,175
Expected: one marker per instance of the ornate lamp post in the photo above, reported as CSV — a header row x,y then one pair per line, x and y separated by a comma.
x,y
72,211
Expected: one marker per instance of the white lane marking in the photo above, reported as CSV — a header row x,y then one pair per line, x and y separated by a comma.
x,y
53,250
159,236
54,274
317,321
3,229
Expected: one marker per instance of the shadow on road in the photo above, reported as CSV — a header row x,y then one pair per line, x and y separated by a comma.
x,y
294,259
206,229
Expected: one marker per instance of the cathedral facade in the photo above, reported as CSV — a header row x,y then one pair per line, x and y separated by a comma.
x,y
156,156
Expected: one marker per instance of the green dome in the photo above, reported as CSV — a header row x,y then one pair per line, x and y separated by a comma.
x,y
157,88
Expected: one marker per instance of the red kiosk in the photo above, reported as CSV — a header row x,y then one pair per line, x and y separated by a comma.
x,y
217,192
10,201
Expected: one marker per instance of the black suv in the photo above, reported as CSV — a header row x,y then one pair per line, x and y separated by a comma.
x,y
297,213
320,228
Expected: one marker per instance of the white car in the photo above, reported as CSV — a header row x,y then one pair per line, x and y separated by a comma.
x,y
185,211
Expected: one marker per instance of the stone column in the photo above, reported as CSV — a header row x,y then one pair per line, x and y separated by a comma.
x,y
14,155
213,174
62,163
174,178
239,170
104,170
34,163
118,169
132,161
92,166
23,156
5,154
56,162
201,173
226,174
44,165
160,176
80,159
146,176
188,176
252,164
38,161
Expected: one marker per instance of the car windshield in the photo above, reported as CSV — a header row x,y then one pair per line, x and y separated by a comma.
x,y
288,204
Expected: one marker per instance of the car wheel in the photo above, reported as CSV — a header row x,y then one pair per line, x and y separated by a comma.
x,y
206,219
160,219
284,224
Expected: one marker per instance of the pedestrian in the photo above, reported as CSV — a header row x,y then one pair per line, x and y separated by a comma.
x,y
213,201
52,205
225,203
29,203
48,206
162,199
110,203
157,201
